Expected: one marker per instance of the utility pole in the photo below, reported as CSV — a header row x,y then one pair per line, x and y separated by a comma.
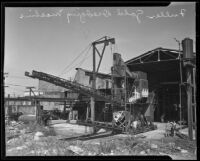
x,y
36,103
31,90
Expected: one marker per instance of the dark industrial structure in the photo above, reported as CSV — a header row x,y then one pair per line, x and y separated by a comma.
x,y
158,85
171,74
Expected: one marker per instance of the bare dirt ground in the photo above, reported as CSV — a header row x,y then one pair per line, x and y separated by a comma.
x,y
21,141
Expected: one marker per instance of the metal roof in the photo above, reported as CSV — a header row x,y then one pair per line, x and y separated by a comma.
x,y
157,60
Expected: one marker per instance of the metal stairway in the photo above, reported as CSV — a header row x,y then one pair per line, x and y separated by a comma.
x,y
77,87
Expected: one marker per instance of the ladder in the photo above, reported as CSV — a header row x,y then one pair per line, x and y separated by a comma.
x,y
77,87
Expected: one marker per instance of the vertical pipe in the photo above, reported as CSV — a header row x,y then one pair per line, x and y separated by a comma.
x,y
189,104
181,80
87,110
92,108
187,45
125,90
92,103
180,86
194,86
180,104
112,91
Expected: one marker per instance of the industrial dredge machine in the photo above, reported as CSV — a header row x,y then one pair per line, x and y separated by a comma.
x,y
130,99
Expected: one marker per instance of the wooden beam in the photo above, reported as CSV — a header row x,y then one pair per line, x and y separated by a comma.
x,y
153,62
97,51
169,54
112,40
101,57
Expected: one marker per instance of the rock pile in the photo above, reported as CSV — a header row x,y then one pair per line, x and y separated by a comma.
x,y
38,135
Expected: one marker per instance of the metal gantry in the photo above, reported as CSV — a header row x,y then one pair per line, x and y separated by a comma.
x,y
105,40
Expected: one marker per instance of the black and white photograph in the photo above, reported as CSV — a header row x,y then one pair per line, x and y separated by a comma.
x,y
100,81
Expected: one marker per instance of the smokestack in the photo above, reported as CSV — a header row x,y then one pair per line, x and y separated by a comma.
x,y
187,45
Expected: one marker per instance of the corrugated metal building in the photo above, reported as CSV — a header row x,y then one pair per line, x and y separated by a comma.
x,y
163,67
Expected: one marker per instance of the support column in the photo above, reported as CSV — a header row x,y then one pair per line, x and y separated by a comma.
x,y
112,93
92,100
92,103
187,45
189,105
125,83
180,88
38,112
86,118
195,114
64,110
70,112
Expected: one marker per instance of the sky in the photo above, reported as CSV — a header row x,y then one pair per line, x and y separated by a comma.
x,y
57,40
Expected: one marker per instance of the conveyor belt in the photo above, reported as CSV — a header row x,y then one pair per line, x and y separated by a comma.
x,y
77,87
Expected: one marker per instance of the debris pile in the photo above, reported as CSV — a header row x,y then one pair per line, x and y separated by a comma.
x,y
38,135
14,129
33,139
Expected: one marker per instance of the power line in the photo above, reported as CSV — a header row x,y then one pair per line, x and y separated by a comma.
x,y
81,62
74,59
84,60
67,67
